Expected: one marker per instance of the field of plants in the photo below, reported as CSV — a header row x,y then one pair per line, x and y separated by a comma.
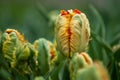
x,y
59,40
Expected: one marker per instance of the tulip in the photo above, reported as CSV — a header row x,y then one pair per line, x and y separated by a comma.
x,y
72,32
47,55
79,61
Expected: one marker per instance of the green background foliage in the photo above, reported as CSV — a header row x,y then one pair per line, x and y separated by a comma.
x,y
35,19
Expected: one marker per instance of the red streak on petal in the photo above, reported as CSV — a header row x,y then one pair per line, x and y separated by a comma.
x,y
52,52
63,12
77,11
69,38
21,37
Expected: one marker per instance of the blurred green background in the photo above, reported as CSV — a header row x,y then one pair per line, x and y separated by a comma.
x,y
35,19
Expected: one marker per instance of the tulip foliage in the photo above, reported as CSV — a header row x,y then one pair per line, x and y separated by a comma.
x,y
69,57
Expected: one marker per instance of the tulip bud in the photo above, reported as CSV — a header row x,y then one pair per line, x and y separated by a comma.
x,y
72,32
79,61
93,72
102,70
11,42
46,55
89,73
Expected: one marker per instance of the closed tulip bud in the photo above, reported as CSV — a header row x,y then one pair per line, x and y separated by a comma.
x,y
93,72
79,61
89,73
46,55
102,70
72,32
11,42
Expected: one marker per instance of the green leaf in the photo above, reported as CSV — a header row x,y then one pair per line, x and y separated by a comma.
x,y
61,72
113,34
58,66
116,39
54,76
97,23
99,49
42,56
117,54
43,11
4,74
16,75
115,71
